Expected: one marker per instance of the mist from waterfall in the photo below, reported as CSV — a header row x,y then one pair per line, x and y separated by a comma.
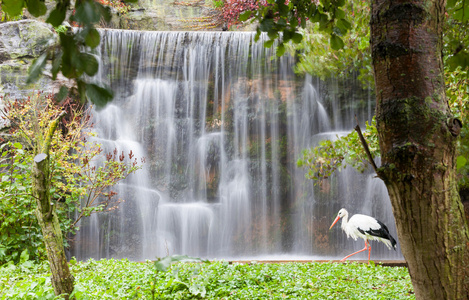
x,y
221,121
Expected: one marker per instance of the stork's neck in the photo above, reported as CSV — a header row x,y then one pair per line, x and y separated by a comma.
x,y
344,221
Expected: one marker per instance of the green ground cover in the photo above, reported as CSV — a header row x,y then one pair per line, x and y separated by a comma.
x,y
122,279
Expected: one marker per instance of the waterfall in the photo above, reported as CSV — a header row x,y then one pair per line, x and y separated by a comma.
x,y
221,121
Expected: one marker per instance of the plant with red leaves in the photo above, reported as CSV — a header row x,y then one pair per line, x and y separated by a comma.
x,y
118,5
232,9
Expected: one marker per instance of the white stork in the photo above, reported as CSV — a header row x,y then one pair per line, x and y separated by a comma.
x,y
366,227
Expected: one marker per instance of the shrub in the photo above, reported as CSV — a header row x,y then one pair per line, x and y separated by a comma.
x,y
79,171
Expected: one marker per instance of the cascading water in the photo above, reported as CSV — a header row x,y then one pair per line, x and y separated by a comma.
x,y
221,122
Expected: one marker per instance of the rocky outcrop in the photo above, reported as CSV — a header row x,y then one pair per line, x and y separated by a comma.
x,y
168,15
20,43
24,39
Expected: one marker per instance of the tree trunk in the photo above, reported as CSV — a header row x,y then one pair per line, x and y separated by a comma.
x,y
62,280
418,137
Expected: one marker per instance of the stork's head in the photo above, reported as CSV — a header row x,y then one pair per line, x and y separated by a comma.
x,y
342,213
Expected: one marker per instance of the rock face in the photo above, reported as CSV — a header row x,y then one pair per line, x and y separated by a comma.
x,y
169,15
174,15
20,43
24,39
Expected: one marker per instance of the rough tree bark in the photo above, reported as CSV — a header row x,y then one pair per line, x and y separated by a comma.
x,y
62,280
418,136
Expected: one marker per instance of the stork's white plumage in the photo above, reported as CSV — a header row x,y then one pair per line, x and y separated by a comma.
x,y
365,227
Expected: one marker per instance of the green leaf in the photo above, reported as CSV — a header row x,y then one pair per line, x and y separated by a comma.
x,y
340,3
18,145
245,15
81,87
460,59
280,49
70,56
57,16
293,22
36,7
2,252
258,34
316,17
266,25
36,68
451,3
281,22
297,37
339,14
88,63
299,163
105,11
323,21
98,95
282,8
287,35
56,65
13,7
363,43
63,92
163,264
460,162
344,25
24,257
336,42
272,34
87,12
269,43
197,289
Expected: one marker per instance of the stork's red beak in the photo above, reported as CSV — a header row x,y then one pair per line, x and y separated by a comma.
x,y
335,221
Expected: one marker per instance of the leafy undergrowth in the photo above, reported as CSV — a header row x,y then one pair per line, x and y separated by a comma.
x,y
122,279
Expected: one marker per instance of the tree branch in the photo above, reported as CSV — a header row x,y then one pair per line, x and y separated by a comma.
x,y
367,150
53,126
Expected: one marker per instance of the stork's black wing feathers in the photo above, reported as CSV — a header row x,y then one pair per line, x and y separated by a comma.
x,y
381,232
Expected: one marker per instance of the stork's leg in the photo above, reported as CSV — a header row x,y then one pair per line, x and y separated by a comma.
x,y
369,249
367,246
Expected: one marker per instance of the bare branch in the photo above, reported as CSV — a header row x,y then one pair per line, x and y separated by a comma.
x,y
367,149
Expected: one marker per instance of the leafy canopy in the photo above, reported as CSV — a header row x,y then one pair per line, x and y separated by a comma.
x,y
322,161
283,20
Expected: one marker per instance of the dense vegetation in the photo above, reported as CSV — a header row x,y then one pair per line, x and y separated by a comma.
x,y
355,57
81,174
121,279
